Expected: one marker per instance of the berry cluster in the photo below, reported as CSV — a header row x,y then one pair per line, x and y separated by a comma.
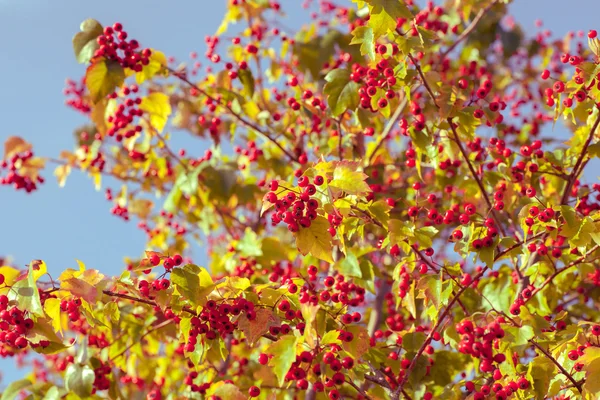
x,y
215,320
377,82
14,325
15,177
71,307
124,116
294,210
101,379
336,289
479,342
78,100
115,46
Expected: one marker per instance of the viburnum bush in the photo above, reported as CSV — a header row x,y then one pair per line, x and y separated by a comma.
x,y
387,212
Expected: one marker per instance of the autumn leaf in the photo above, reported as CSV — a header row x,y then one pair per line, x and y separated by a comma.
x,y
157,105
85,42
103,77
284,355
315,240
254,329
15,145
341,91
347,178
157,62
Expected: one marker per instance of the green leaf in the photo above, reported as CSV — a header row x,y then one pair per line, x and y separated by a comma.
x,y
85,42
157,105
247,80
341,91
539,374
363,35
430,288
519,336
395,8
25,294
348,179
316,240
381,23
591,362
225,391
79,379
103,77
187,280
349,266
284,355
250,244
12,391
331,337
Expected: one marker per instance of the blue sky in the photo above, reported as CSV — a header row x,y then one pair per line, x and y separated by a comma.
x,y
61,225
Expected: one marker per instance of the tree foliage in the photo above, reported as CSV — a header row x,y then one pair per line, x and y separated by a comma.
x,y
386,209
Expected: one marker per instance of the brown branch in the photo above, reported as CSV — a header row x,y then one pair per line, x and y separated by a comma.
x,y
237,116
153,329
468,29
576,169
441,318
560,367
388,128
359,390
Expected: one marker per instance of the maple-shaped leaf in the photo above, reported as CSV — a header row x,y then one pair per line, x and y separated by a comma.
x,y
103,77
316,240
254,329
348,178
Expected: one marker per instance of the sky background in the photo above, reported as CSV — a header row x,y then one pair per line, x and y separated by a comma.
x,y
36,56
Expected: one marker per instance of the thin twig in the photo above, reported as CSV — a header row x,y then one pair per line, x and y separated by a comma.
x,y
560,367
468,29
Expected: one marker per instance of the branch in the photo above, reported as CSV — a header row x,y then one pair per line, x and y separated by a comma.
x,y
441,318
237,116
576,169
388,128
359,390
153,329
469,29
564,371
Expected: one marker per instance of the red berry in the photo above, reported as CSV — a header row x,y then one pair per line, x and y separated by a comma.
x,y
254,391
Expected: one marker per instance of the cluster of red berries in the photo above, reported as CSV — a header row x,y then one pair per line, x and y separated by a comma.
x,y
124,116
189,380
480,342
337,290
120,211
115,46
178,229
501,392
157,285
214,124
14,326
101,379
295,210
77,91
168,262
377,82
71,307
215,320
14,177
252,152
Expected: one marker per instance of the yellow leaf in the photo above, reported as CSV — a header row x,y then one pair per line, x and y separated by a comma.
x,y
226,391
10,274
348,179
15,145
103,77
52,310
62,172
39,269
254,329
157,105
158,60
315,240
591,362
